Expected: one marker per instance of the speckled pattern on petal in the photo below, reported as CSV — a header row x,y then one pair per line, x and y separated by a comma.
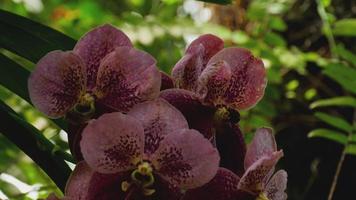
x,y
95,45
248,80
187,70
213,83
126,77
187,159
222,187
112,143
276,187
158,119
211,43
256,176
263,144
56,83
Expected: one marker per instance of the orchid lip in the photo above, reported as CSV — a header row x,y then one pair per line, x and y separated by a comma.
x,y
143,177
223,114
262,196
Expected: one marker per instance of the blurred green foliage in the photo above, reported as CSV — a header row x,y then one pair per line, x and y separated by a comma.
x,y
163,28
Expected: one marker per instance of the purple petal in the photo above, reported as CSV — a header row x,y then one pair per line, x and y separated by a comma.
x,y
277,185
52,197
57,83
187,159
263,144
96,44
222,187
166,81
113,143
211,43
231,145
199,116
248,77
255,178
187,70
126,77
213,83
158,119
79,181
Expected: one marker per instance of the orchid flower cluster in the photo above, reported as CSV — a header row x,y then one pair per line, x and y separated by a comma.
x,y
138,133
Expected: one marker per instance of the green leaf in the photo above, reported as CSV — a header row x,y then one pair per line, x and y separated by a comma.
x,y
346,54
345,27
329,134
342,74
30,39
336,101
351,149
34,144
217,1
14,77
335,121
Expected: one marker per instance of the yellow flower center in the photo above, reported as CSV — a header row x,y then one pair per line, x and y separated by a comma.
x,y
142,178
262,196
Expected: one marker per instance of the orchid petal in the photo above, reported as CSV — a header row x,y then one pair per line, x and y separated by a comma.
x,y
231,145
158,119
222,187
113,143
56,83
187,159
126,77
187,70
255,178
277,185
248,79
79,181
166,81
213,83
95,45
211,43
199,116
263,144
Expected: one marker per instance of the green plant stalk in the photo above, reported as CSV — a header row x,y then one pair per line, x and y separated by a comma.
x,y
35,145
327,28
341,161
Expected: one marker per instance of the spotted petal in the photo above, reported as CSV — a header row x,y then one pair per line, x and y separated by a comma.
x,y
256,176
187,159
213,83
262,144
126,77
158,119
95,45
222,187
248,79
211,43
187,70
57,83
113,143
277,185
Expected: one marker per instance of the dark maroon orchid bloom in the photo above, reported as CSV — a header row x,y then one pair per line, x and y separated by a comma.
x,y
214,84
256,183
103,69
150,152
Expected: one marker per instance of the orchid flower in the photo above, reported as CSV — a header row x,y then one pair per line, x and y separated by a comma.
x,y
149,152
103,69
212,84
256,183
